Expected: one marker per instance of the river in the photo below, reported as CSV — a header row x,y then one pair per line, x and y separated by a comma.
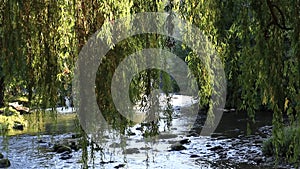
x,y
229,146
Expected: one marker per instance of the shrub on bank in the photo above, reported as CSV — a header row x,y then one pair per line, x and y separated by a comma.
x,y
10,119
285,146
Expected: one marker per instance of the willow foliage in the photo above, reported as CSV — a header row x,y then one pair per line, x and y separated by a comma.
x,y
38,43
258,42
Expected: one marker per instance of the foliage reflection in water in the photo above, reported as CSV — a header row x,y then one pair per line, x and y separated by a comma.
x,y
133,149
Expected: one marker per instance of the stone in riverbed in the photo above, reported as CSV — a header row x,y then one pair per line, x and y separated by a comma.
x,y
130,133
258,160
139,128
4,163
185,141
193,134
1,156
115,145
145,148
194,156
167,136
41,141
107,162
74,145
258,141
216,148
120,166
61,148
131,151
76,135
65,156
177,147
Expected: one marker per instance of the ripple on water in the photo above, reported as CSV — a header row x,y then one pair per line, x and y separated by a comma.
x,y
225,150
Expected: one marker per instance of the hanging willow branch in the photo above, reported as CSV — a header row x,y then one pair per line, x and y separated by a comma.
x,y
274,18
170,42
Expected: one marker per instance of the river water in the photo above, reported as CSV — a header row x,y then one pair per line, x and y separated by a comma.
x,y
226,148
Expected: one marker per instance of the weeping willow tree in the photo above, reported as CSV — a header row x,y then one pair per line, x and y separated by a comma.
x,y
38,49
258,42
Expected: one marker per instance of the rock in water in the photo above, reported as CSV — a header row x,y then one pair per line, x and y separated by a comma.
x,y
41,141
131,151
62,149
216,148
120,166
185,141
1,156
258,160
4,163
65,156
194,156
74,146
18,126
76,135
177,147
193,134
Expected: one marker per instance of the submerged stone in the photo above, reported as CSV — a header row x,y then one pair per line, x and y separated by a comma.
x,y
184,141
177,147
216,148
62,149
65,156
167,136
120,166
258,160
41,141
76,135
194,156
131,151
4,163
193,134
107,162
139,128
74,145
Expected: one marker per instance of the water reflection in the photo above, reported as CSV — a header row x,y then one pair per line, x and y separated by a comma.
x,y
131,149
112,148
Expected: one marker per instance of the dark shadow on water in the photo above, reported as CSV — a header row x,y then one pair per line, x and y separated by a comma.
x,y
234,124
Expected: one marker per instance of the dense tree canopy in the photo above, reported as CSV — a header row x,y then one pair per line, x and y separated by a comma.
x,y
258,42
